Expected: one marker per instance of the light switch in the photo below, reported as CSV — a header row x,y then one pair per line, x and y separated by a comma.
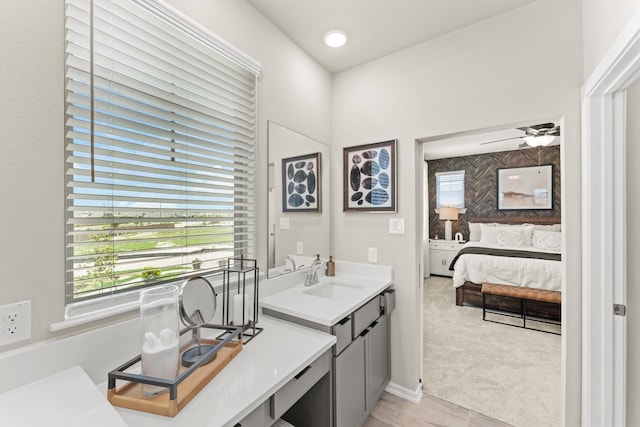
x,y
396,225
300,248
284,223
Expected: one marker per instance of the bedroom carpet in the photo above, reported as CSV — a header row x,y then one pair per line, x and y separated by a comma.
x,y
510,374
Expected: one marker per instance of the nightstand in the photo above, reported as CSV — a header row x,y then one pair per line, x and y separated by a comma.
x,y
441,253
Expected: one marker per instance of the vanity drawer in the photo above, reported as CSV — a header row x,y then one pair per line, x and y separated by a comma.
x,y
291,392
342,332
388,300
365,316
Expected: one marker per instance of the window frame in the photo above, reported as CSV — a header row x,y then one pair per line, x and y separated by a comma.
x,y
118,300
461,206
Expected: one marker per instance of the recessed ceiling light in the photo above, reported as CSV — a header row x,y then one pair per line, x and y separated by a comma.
x,y
335,38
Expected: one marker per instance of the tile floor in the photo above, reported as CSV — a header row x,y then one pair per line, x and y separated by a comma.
x,y
392,411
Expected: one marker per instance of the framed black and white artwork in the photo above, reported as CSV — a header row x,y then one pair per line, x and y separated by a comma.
x,y
301,183
369,177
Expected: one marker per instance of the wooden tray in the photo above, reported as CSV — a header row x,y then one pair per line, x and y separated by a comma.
x,y
130,395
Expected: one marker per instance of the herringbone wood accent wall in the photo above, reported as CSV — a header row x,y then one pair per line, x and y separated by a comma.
x,y
481,185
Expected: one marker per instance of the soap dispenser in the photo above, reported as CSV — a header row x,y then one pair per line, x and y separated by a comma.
x,y
331,267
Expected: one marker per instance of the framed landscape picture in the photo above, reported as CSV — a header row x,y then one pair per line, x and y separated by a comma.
x,y
369,177
301,181
525,188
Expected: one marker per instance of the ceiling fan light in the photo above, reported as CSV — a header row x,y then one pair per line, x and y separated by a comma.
x,y
335,38
539,141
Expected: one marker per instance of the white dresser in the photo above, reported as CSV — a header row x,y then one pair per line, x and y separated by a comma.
x,y
441,253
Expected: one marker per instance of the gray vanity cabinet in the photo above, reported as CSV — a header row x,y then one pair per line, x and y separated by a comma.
x,y
377,359
361,372
349,379
361,357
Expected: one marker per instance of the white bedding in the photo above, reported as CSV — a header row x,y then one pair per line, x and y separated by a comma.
x,y
531,273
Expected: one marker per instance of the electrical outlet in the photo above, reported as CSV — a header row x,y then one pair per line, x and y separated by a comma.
x,y
372,255
16,322
300,248
11,330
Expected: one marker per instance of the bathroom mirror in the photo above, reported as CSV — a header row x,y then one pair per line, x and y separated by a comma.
x,y
299,200
197,308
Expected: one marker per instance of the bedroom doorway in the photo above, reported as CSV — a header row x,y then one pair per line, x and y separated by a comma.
x,y
439,303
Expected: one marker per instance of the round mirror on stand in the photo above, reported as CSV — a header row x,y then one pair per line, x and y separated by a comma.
x,y
197,307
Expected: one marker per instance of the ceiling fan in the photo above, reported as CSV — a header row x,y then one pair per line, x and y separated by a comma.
x,y
534,136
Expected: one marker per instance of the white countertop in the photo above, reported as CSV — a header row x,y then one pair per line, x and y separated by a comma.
x,y
296,301
263,366
65,399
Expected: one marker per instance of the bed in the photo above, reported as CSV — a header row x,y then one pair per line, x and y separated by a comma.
x,y
527,254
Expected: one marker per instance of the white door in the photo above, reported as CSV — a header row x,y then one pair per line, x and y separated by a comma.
x,y
633,254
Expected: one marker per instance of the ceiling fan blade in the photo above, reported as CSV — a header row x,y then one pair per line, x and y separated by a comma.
x,y
555,131
541,129
500,140
529,130
544,126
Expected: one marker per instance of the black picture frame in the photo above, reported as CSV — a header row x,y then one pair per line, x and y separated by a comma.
x,y
302,183
525,188
369,177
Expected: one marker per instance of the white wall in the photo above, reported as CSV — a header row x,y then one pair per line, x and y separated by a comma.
x,y
603,20
293,90
517,67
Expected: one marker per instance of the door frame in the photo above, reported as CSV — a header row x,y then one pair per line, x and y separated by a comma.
x,y
603,230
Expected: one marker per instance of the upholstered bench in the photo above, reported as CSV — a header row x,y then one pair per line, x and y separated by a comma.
x,y
524,295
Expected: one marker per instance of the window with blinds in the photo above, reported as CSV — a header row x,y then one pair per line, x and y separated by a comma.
x,y
450,189
160,148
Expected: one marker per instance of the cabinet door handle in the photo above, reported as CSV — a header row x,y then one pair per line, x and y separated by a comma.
x,y
304,371
344,321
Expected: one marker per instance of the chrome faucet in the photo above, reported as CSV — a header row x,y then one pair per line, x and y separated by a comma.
x,y
290,259
312,276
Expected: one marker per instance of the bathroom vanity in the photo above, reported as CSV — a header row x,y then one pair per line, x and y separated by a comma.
x,y
354,309
281,366
330,375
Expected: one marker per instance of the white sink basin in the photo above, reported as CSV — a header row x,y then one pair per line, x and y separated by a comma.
x,y
329,301
333,290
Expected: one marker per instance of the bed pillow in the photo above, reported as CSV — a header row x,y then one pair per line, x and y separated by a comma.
x,y
511,237
549,227
489,234
547,240
474,232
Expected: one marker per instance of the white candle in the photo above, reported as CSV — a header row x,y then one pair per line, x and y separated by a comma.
x,y
240,308
160,357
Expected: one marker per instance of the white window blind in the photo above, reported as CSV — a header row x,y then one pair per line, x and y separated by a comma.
x,y
450,189
160,149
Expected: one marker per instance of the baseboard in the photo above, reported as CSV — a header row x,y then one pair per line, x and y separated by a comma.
x,y
414,396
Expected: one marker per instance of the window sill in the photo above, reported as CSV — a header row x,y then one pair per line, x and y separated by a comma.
x,y
460,210
94,313
84,312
